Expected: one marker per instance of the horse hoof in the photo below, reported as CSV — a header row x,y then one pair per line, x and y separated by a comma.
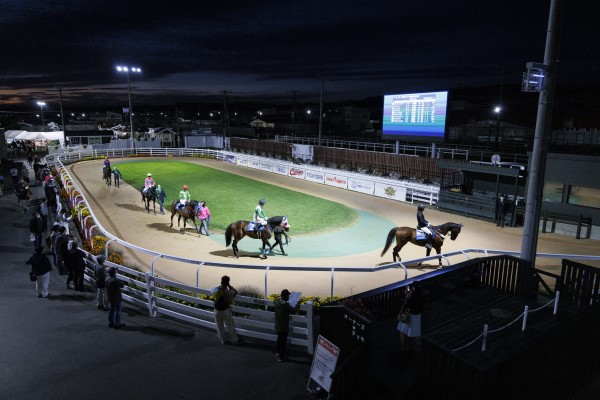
x,y
284,254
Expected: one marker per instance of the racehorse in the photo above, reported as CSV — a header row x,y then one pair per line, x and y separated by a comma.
x,y
149,196
238,229
107,175
188,212
406,234
280,227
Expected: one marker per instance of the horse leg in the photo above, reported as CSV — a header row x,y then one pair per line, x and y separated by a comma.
x,y
438,249
396,250
172,215
235,248
153,205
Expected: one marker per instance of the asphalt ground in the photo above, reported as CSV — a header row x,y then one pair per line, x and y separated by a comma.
x,y
62,348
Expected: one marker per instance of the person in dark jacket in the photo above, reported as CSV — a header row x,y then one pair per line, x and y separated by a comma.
x,y
113,291
100,276
223,316
40,267
501,210
59,239
283,310
414,302
75,261
161,196
423,224
36,228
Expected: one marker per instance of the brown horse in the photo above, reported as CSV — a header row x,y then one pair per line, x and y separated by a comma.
x,y
238,229
406,234
188,212
149,196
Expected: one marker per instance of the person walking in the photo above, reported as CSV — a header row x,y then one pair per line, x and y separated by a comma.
x,y
40,267
14,174
413,307
115,298
223,315
76,262
1,185
36,229
204,217
501,209
100,276
117,175
161,196
283,310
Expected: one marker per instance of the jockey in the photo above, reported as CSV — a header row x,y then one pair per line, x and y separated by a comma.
x,y
184,197
424,225
259,217
106,162
149,182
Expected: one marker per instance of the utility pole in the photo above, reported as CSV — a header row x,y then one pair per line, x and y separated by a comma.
x,y
62,113
321,109
499,109
537,170
180,138
226,116
294,112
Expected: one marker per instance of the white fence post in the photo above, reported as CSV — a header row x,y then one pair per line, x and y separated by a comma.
x,y
484,337
525,314
331,289
556,298
150,294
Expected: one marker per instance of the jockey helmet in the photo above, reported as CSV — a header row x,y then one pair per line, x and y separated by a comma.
x,y
421,207
149,174
262,202
185,187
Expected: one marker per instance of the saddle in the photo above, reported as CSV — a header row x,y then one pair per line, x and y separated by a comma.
x,y
420,235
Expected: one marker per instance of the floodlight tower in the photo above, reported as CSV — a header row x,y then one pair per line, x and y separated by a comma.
x,y
127,70
42,105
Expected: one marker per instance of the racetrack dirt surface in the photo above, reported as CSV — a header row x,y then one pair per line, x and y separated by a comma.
x,y
121,212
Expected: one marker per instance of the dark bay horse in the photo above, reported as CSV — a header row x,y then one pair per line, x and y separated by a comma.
x,y
406,234
107,175
149,196
188,212
280,227
239,229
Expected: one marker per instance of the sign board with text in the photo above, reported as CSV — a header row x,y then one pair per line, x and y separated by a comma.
x,y
323,366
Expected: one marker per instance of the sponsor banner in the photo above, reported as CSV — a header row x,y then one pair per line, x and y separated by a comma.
x,y
280,169
254,164
297,172
266,167
323,366
390,191
315,176
336,180
231,159
242,162
360,185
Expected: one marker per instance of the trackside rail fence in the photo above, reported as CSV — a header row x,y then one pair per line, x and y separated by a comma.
x,y
160,296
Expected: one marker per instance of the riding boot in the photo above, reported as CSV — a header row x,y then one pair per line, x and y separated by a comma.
x,y
428,244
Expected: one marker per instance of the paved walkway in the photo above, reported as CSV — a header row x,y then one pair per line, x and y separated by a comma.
x,y
62,348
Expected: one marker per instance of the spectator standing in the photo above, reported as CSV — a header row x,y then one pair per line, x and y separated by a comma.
x,y
76,263
115,298
161,196
100,276
283,310
36,229
59,239
1,185
501,209
223,315
14,174
44,214
40,267
204,217
414,303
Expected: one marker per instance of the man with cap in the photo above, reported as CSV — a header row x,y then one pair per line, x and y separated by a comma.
x,y
223,298
117,175
113,291
184,197
149,182
283,310
161,196
100,276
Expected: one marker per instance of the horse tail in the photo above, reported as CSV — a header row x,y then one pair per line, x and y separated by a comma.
x,y
390,239
228,236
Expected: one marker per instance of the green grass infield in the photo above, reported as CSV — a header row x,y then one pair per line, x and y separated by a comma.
x,y
231,197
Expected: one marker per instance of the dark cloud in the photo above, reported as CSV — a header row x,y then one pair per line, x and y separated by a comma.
x,y
190,49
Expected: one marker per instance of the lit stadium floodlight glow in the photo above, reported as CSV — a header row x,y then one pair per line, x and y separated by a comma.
x,y
126,70
497,109
41,103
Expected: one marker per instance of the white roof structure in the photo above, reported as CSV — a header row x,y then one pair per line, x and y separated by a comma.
x,y
12,135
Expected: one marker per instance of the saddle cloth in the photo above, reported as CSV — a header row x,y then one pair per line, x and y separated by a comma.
x,y
251,227
420,235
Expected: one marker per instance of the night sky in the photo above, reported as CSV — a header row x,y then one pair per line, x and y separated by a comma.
x,y
193,50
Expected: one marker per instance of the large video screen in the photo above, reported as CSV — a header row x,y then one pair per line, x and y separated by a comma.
x,y
415,116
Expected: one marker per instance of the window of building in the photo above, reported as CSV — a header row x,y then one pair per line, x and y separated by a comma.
x,y
95,140
553,191
584,196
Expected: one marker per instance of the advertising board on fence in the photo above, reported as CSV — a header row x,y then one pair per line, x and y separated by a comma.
x,y
254,164
242,161
280,169
314,176
338,181
390,191
266,167
361,185
323,365
297,173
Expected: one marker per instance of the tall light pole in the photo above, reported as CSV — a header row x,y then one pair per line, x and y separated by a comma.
x,y
497,110
126,70
42,105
